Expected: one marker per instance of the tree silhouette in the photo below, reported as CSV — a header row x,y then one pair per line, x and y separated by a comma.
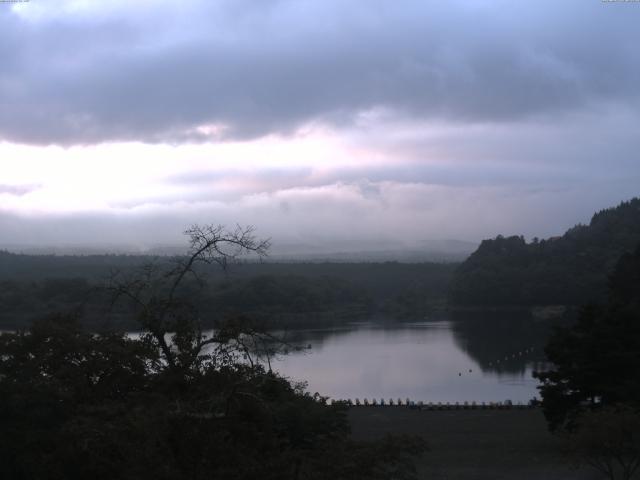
x,y
169,320
597,360
173,403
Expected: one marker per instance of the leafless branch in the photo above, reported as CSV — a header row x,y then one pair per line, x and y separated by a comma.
x,y
154,287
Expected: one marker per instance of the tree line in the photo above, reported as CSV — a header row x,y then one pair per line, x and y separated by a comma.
x,y
283,294
567,270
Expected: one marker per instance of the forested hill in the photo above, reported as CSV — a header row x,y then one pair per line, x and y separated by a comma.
x,y
567,270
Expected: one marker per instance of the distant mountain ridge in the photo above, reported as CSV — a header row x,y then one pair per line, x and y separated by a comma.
x,y
569,270
432,250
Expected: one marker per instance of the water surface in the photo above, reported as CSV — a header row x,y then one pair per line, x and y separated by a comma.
x,y
433,361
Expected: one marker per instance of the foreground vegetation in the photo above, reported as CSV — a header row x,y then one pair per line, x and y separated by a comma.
x,y
592,392
172,403
74,405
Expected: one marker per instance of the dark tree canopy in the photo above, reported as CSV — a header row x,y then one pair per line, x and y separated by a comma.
x,y
567,270
173,403
597,360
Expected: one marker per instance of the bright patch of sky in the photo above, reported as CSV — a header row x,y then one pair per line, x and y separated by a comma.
x,y
366,121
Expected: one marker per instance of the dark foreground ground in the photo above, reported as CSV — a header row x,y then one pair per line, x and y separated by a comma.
x,y
475,444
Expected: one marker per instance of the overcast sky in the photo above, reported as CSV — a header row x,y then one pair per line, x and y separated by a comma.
x,y
315,120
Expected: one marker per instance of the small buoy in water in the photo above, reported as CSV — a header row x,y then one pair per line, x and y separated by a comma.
x,y
470,370
459,374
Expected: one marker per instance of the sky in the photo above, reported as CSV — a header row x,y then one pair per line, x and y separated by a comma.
x,y
353,124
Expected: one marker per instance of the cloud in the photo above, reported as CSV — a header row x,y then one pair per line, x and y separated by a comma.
x,y
336,216
317,121
85,73
18,190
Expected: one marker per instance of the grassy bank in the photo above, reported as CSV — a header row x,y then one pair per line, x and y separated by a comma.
x,y
474,444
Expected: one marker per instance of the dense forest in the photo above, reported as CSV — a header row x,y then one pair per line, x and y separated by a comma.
x,y
567,270
280,294
596,359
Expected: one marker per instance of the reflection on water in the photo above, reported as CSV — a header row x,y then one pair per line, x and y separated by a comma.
x,y
457,359
503,343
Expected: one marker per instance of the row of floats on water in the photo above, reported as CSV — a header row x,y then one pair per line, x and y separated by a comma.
x,y
512,357
507,404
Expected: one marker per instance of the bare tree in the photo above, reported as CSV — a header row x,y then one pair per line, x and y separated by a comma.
x,y
170,321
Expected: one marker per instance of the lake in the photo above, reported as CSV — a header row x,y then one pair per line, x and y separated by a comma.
x,y
485,358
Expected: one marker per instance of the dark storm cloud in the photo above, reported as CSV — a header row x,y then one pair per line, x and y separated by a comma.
x,y
248,69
